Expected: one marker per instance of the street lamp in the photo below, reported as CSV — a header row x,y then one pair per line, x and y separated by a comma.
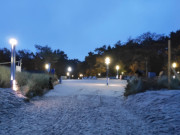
x,y
107,61
69,70
174,65
80,75
13,43
47,67
117,68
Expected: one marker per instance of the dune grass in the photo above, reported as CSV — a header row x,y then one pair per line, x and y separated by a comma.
x,y
137,85
30,84
4,77
35,84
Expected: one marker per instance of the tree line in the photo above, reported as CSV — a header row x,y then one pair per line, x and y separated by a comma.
x,y
146,53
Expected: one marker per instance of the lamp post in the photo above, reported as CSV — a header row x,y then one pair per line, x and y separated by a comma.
x,y
69,70
117,68
13,43
107,61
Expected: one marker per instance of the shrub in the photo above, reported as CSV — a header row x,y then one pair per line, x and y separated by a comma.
x,y
30,84
162,82
174,84
33,84
22,78
37,84
136,85
5,77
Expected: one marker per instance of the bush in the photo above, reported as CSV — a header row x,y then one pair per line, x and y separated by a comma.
x,y
22,78
162,82
37,84
136,85
30,84
175,84
33,84
5,77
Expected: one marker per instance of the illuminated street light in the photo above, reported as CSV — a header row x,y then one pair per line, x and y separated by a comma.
x,y
69,70
13,43
99,74
47,67
68,74
117,68
174,65
107,61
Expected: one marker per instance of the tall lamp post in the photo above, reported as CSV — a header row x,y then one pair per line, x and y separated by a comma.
x,y
107,61
117,68
13,43
69,70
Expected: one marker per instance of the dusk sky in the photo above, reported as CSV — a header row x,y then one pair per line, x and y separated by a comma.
x,y
79,26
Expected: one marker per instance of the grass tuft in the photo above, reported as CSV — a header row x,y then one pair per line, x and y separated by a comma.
x,y
5,77
30,84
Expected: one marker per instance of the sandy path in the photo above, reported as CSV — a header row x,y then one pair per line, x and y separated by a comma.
x,y
76,107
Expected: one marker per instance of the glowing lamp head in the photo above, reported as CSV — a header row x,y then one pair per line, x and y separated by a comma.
x,y
46,66
68,74
174,65
81,75
13,41
117,67
69,69
107,60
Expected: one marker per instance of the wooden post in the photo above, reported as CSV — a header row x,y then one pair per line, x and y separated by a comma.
x,y
169,63
146,67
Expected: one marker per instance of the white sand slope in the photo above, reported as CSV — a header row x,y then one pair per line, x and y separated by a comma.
x,y
86,107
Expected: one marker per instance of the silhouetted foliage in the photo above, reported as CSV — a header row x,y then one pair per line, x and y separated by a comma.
x,y
146,52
